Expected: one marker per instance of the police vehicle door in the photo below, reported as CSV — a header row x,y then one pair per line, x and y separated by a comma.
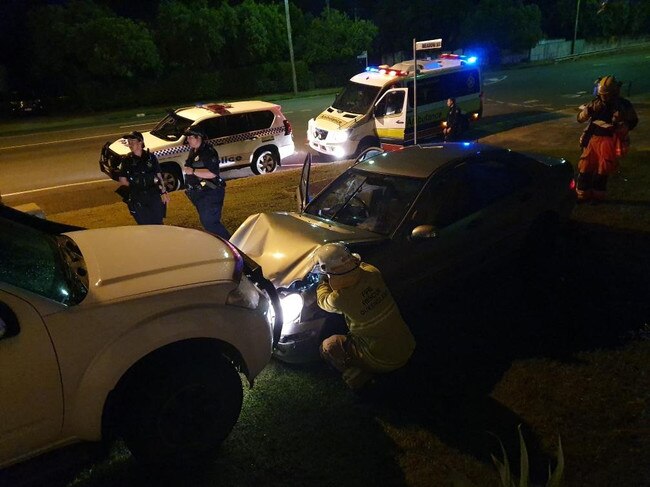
x,y
224,133
390,117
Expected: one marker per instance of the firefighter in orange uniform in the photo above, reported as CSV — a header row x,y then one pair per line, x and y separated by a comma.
x,y
605,140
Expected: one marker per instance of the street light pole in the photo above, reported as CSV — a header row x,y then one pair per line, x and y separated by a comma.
x,y
293,65
575,29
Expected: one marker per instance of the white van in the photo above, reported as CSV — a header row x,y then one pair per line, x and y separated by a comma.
x,y
245,133
376,107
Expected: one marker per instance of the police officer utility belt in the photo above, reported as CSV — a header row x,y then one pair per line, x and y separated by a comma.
x,y
206,184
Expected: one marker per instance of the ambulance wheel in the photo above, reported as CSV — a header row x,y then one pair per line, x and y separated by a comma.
x,y
265,161
365,144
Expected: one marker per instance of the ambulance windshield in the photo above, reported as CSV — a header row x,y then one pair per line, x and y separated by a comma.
x,y
356,98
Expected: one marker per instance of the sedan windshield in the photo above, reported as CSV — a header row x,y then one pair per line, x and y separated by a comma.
x,y
356,98
374,202
171,127
41,263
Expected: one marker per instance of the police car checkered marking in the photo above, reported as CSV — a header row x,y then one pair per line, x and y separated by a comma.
x,y
172,151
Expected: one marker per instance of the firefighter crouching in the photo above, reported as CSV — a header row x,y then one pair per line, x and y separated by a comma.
x,y
205,189
605,140
141,183
378,340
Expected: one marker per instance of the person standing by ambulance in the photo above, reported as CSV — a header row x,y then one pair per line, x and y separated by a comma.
x,y
205,188
378,341
605,139
141,183
454,122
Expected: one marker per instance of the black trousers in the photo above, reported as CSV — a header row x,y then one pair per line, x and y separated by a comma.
x,y
208,203
147,208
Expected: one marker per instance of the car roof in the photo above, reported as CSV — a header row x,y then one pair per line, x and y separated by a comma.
x,y
209,110
421,161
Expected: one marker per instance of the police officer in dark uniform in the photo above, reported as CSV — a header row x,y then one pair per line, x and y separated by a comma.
x,y
205,189
141,183
454,126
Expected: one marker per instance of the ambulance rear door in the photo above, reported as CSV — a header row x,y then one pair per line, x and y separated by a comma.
x,y
390,118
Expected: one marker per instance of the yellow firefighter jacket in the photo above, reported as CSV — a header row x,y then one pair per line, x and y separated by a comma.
x,y
381,336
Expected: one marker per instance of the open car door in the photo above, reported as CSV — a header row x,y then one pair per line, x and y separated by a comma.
x,y
390,118
302,193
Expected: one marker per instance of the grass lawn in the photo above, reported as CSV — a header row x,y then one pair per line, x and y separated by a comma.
x,y
565,355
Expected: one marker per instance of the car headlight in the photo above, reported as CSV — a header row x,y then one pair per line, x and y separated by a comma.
x,y
338,136
339,152
291,307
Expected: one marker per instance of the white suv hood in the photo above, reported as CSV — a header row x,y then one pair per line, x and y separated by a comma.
x,y
126,261
283,243
151,142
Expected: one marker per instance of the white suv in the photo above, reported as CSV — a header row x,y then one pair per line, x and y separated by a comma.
x,y
103,335
245,133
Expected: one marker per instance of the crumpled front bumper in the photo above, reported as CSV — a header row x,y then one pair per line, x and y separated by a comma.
x,y
302,346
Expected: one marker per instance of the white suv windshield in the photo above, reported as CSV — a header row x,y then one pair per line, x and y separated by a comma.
x,y
171,127
356,98
375,202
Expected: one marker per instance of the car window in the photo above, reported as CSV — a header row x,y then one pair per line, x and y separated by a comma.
x,y
493,177
371,201
467,188
171,127
260,120
356,98
446,199
391,104
450,85
234,124
32,260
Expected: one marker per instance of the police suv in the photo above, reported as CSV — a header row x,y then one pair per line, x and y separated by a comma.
x,y
245,133
376,107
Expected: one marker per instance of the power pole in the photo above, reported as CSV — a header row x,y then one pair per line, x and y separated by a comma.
x,y
293,64
575,30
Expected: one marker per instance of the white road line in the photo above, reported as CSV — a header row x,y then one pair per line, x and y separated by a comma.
x,y
150,122
491,81
530,101
55,187
60,141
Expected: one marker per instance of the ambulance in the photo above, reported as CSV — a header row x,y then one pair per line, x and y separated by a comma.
x,y
376,106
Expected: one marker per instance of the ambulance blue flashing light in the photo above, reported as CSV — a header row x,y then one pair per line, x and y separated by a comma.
x,y
472,59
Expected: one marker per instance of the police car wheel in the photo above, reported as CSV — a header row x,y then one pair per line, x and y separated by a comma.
x,y
265,161
171,181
